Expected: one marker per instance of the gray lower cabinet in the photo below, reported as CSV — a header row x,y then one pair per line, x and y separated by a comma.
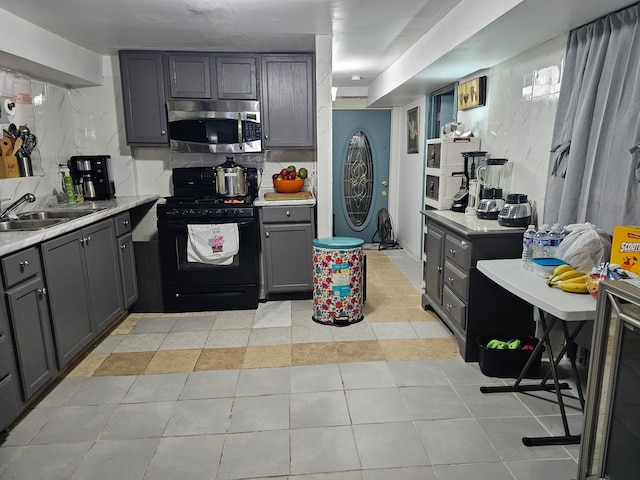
x,y
126,257
288,101
143,96
25,295
85,291
10,398
467,302
287,236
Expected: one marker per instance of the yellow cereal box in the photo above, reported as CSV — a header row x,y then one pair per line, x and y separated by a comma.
x,y
625,248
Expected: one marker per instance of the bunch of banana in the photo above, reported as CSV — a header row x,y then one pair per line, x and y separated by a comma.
x,y
568,279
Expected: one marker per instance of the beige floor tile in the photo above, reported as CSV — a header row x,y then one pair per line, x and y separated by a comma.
x,y
266,356
385,314
173,361
314,353
416,314
88,365
221,359
126,363
442,348
404,349
126,326
360,351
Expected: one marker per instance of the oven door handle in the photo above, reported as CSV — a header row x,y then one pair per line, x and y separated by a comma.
x,y
176,226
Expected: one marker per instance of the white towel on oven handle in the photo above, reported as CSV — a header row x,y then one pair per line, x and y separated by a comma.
x,y
215,244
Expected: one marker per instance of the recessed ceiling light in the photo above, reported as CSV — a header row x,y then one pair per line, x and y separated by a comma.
x,y
356,78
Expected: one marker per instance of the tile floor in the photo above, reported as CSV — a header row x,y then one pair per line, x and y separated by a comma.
x,y
271,394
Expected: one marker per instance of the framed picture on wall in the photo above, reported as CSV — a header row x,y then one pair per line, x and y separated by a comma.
x,y
413,132
472,94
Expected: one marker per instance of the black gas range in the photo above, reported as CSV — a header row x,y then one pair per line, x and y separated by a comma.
x,y
190,285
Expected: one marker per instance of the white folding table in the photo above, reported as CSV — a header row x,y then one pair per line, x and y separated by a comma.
x,y
550,305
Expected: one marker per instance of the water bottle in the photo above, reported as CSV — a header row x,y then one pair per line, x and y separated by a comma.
x,y
527,247
541,241
555,237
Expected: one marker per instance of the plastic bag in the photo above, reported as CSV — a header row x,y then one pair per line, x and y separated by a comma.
x,y
585,247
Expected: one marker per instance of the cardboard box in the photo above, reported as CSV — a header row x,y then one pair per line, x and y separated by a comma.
x,y
625,248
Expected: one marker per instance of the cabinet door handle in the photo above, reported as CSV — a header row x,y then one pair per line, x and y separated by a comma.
x,y
452,251
288,213
125,223
266,234
163,132
439,269
88,239
42,292
463,243
123,246
449,306
450,280
24,264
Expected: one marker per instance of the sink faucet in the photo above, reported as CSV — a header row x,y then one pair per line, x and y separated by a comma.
x,y
27,197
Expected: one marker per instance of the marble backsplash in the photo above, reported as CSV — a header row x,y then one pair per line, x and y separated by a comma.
x,y
517,121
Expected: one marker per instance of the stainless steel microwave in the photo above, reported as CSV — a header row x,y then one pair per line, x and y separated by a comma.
x,y
208,126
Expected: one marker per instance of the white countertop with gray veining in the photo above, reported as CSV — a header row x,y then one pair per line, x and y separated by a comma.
x,y
12,241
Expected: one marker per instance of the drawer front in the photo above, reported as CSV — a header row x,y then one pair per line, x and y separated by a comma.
x,y
123,224
286,214
20,266
455,308
458,251
456,280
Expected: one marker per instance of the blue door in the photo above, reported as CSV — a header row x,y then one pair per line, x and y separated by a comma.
x,y
360,171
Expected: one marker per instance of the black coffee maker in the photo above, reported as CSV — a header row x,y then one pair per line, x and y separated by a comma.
x,y
93,173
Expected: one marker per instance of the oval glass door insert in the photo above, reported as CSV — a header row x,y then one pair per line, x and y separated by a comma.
x,y
358,179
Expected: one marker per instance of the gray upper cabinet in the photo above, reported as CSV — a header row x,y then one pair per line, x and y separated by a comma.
x,y
236,77
143,95
287,101
189,76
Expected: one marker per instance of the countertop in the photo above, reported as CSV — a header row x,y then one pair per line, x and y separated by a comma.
x,y
470,224
532,288
12,241
261,202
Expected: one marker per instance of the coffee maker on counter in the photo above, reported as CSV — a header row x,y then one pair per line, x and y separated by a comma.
x,y
93,172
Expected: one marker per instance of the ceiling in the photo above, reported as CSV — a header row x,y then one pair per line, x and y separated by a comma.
x,y
401,49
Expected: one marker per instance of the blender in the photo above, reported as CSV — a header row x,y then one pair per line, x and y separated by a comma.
x,y
461,198
491,176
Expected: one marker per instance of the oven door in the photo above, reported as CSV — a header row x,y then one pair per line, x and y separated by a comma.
x,y
177,270
194,286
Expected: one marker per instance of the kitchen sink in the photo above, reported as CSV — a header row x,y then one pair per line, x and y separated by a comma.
x,y
56,214
38,224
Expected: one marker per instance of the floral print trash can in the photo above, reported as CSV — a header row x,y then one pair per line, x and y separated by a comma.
x,y
338,274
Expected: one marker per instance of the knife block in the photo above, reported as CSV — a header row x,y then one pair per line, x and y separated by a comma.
x,y
9,167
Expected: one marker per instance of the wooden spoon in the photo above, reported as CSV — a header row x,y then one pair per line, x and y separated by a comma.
x,y
17,145
6,146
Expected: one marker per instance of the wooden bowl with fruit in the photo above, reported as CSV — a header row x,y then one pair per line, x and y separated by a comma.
x,y
289,180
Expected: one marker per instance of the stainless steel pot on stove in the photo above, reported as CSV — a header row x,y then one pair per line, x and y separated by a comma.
x,y
231,179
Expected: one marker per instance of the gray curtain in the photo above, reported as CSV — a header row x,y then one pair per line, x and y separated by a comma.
x,y
594,169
